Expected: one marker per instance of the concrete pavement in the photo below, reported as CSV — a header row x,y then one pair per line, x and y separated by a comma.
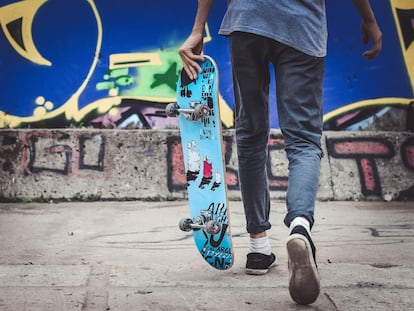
x,y
132,256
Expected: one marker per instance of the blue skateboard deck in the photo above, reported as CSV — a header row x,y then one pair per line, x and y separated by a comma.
x,y
202,145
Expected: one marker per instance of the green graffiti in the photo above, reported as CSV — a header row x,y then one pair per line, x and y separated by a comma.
x,y
118,77
168,78
156,81
105,86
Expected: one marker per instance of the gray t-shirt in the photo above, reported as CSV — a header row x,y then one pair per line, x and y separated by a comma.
x,y
300,24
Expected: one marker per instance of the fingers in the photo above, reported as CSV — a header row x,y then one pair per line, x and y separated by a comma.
x,y
192,67
190,55
191,63
372,53
376,48
371,31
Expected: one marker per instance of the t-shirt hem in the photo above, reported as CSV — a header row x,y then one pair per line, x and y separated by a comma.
x,y
226,32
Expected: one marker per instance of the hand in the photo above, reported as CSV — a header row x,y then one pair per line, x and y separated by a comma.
x,y
370,31
190,53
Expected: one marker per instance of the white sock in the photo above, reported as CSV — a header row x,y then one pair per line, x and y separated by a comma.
x,y
260,245
300,221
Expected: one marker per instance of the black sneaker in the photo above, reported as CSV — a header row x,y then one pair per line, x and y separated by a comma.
x,y
304,284
258,264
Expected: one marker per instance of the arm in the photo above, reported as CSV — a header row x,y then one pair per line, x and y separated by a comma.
x,y
190,51
369,28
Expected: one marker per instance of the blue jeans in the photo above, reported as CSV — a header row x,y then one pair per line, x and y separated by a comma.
x,y
299,79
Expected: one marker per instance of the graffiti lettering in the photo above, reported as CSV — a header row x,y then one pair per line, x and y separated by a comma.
x,y
379,166
276,146
407,153
51,152
86,162
364,150
407,156
55,158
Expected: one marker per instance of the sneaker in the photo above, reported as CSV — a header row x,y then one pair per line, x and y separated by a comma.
x,y
304,284
259,264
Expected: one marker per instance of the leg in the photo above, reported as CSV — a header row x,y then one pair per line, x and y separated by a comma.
x,y
299,94
251,89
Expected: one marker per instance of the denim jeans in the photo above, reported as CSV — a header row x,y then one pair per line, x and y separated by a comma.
x,y
299,79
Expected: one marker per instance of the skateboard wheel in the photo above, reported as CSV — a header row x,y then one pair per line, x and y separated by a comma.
x,y
185,224
201,111
172,110
213,227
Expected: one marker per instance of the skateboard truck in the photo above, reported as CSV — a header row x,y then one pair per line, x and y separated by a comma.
x,y
204,221
195,113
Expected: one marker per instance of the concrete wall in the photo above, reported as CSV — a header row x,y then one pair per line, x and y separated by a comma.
x,y
147,164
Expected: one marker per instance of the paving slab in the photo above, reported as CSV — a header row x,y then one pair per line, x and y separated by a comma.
x,y
132,256
41,299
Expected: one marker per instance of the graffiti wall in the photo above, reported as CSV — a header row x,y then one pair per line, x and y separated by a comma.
x,y
91,164
375,95
114,64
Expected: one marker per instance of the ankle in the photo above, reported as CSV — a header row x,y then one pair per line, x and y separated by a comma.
x,y
260,245
258,235
300,221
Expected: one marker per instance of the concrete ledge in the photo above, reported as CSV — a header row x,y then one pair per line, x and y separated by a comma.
x,y
89,164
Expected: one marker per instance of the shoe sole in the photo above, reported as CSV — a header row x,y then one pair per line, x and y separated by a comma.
x,y
259,271
256,271
251,271
304,284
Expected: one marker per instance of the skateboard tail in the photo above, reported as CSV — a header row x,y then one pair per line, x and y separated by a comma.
x,y
216,250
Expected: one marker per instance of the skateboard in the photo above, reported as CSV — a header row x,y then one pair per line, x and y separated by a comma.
x,y
198,111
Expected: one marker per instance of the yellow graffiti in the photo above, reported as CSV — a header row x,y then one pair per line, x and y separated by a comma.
x,y
207,36
386,101
226,113
407,51
102,105
72,104
126,60
71,107
20,15
43,107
